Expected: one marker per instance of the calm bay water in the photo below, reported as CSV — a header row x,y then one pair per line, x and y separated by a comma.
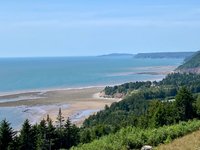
x,y
27,74
19,74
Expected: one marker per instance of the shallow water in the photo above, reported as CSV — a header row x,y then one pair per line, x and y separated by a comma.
x,y
17,115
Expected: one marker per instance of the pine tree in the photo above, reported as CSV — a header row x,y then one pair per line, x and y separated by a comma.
x,y
15,144
27,137
6,135
42,143
71,134
60,126
60,120
50,135
184,104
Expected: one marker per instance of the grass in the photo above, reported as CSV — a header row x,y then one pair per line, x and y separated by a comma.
x,y
188,142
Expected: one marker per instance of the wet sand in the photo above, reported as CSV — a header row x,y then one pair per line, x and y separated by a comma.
x,y
80,103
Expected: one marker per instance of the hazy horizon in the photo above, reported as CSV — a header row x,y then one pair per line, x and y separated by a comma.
x,y
90,28
103,54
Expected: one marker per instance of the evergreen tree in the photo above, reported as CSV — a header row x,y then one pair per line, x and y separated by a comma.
x,y
27,137
197,104
42,143
50,134
6,135
60,127
60,120
85,135
71,134
15,145
184,104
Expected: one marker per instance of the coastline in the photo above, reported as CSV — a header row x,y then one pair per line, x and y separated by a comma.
x,y
77,104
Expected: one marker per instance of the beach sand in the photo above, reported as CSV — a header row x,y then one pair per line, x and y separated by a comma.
x,y
77,104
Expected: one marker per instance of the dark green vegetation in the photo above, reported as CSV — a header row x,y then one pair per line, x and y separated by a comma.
x,y
42,136
149,114
155,106
135,138
165,55
162,89
191,62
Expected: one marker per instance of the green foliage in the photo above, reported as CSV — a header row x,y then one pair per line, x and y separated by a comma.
x,y
135,138
133,108
191,62
50,134
6,135
27,137
60,120
165,88
184,104
197,105
161,113
126,87
178,80
41,131
70,134
46,136
118,113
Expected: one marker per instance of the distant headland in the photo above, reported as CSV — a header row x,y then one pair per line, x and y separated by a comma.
x,y
151,55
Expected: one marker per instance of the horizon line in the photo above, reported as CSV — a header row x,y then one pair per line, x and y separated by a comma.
x,y
96,55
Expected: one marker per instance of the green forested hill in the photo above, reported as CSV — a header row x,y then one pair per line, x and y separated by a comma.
x,y
192,64
138,99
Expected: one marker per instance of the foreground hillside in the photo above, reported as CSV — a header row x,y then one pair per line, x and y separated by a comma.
x,y
188,142
135,138
191,65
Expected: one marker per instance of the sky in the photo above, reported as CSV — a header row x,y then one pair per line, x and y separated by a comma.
x,y
89,27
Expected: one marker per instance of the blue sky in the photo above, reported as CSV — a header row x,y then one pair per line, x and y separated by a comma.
x,y
89,27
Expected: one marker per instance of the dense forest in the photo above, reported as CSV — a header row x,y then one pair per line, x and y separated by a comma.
x,y
146,106
165,88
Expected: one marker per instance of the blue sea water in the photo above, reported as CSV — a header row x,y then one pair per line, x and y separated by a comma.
x,y
21,74
27,74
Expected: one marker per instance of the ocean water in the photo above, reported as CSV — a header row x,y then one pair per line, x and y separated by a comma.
x,y
25,74
30,74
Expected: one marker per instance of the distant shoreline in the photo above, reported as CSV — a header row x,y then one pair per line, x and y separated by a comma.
x,y
158,70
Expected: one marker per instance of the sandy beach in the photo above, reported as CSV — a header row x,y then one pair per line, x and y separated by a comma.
x,y
77,104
